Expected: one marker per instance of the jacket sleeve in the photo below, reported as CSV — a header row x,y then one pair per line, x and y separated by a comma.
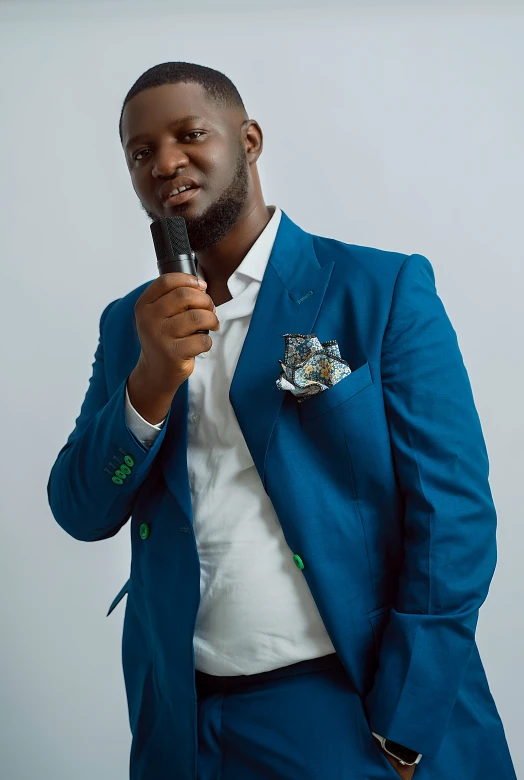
x,y
84,499
450,521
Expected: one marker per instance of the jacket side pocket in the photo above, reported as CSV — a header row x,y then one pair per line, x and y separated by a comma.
x,y
118,598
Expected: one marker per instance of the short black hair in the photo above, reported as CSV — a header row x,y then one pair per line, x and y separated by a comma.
x,y
218,87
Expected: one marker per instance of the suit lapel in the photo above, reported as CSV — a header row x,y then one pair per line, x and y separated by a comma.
x,y
289,300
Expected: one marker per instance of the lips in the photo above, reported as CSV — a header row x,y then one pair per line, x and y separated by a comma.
x,y
181,181
182,197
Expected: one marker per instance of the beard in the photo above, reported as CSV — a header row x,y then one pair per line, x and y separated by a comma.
x,y
216,222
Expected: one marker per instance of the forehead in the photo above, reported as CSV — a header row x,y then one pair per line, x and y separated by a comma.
x,y
155,108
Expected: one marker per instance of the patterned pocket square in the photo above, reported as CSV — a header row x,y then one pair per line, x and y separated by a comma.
x,y
310,367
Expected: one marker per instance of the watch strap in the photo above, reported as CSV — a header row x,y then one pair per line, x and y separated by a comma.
x,y
416,756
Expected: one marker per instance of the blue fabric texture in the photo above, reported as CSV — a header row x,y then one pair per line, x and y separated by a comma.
x,y
312,726
380,483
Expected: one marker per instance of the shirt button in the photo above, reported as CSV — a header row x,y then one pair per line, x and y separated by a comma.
x,y
194,418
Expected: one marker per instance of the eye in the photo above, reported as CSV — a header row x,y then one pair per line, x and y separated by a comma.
x,y
135,157
141,151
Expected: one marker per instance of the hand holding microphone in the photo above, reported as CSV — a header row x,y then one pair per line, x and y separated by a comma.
x,y
173,318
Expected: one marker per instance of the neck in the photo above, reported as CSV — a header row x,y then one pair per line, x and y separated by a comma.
x,y
221,260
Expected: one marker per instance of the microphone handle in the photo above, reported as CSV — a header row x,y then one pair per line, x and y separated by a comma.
x,y
183,264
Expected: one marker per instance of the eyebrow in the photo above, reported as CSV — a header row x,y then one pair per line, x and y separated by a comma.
x,y
176,123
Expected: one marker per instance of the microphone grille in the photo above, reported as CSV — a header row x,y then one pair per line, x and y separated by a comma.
x,y
177,234
159,242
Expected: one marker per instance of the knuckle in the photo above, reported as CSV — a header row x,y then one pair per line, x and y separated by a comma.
x,y
183,293
195,316
164,281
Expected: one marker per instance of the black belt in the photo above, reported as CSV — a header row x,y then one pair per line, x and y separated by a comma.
x,y
211,683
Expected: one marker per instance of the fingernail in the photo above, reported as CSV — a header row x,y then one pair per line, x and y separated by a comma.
x,y
214,308
202,284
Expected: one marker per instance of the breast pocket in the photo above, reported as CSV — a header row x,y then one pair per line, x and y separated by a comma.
x,y
336,395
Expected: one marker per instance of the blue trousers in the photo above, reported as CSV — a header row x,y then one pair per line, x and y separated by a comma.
x,y
299,722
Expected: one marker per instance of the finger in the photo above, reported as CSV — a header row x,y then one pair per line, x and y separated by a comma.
x,y
181,299
186,323
190,346
166,283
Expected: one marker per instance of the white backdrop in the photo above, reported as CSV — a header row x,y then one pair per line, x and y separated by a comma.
x,y
397,126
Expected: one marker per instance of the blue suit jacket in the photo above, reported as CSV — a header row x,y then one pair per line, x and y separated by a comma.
x,y
380,484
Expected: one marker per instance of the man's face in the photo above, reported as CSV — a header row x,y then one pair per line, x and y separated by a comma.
x,y
160,144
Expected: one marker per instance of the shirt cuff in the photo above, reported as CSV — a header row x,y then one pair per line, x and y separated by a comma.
x,y
145,431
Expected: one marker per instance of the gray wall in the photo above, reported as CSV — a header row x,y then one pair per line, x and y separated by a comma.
x,y
399,128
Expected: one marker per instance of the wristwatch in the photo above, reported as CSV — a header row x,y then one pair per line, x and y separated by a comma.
x,y
403,754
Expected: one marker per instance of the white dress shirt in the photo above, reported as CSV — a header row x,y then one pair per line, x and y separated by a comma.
x,y
256,611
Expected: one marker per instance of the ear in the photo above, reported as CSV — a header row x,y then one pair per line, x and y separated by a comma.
x,y
253,139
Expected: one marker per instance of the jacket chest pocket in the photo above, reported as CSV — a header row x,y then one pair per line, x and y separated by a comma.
x,y
335,397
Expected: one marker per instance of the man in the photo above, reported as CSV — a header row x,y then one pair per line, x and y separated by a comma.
x,y
312,526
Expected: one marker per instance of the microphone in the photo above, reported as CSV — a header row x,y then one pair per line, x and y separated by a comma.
x,y
173,251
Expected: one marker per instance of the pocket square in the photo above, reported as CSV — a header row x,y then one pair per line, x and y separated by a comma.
x,y
310,367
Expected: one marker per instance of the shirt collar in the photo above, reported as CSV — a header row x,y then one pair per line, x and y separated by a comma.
x,y
254,264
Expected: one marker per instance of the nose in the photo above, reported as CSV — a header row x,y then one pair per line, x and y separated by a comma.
x,y
167,160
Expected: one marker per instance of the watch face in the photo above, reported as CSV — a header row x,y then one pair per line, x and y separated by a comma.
x,y
401,752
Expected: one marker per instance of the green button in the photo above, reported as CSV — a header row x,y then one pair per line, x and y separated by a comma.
x,y
144,530
117,480
125,469
298,561
129,461
121,474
